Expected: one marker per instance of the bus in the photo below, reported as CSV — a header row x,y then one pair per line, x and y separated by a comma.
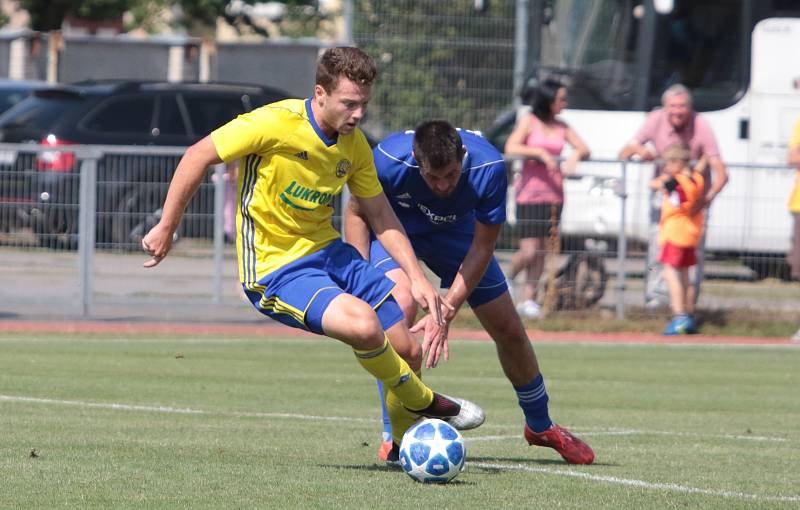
x,y
740,59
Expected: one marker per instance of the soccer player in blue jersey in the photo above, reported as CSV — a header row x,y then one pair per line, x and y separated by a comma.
x,y
296,156
448,189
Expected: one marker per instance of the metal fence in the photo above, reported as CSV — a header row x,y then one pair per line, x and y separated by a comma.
x,y
71,223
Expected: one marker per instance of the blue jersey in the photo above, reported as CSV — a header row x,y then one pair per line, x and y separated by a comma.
x,y
480,194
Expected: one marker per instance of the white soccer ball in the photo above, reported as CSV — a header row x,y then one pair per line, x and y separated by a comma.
x,y
432,451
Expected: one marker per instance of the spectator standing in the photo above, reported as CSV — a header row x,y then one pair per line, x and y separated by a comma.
x,y
540,136
793,159
229,177
793,257
681,227
676,122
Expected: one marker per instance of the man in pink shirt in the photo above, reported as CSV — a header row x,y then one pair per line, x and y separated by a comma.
x,y
676,122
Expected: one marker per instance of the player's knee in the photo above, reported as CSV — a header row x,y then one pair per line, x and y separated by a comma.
x,y
509,332
366,331
528,254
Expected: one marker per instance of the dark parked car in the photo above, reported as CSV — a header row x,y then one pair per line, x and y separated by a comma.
x,y
14,91
130,188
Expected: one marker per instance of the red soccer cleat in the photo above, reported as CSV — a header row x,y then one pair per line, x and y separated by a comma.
x,y
390,454
385,450
561,440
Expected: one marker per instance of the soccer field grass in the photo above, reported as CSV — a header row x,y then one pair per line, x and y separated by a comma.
x,y
98,421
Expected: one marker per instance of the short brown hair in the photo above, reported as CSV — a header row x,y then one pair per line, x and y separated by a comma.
x,y
436,144
347,61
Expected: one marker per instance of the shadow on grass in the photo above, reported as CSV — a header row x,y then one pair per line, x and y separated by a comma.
x,y
378,468
472,466
523,461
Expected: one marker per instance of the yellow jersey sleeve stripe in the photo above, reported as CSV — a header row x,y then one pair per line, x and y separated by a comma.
x,y
248,253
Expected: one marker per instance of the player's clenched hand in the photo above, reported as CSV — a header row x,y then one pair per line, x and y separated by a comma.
x,y
429,299
157,244
434,340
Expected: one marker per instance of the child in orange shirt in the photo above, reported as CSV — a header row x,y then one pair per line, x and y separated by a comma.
x,y
680,229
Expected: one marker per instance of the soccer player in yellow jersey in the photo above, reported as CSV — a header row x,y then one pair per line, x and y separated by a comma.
x,y
296,156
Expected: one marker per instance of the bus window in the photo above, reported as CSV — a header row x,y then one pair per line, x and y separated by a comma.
x,y
595,44
621,54
699,44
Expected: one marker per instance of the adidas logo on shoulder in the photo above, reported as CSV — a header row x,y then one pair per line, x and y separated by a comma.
x,y
302,155
404,196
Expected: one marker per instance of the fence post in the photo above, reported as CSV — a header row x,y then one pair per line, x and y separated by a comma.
x,y
87,221
219,233
622,243
521,49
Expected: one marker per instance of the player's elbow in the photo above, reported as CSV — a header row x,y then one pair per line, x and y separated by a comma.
x,y
353,207
203,153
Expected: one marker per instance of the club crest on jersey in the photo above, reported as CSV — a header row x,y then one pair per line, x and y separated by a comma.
x,y
342,167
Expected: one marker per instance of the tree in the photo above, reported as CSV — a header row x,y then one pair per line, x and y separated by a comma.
x,y
196,15
49,14
437,60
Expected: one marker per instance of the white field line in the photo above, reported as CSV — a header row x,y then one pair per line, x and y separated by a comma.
x,y
506,467
183,410
176,410
672,487
646,433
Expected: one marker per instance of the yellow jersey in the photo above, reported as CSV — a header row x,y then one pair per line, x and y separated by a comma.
x,y
794,197
289,174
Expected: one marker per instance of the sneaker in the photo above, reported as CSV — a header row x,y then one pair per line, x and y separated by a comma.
x,y
654,304
461,414
571,448
512,291
529,309
392,455
679,325
691,327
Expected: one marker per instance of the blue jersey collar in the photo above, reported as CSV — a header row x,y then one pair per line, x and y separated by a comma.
x,y
320,133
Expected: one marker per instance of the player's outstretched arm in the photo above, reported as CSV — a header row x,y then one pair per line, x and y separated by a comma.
x,y
187,178
393,237
356,228
475,262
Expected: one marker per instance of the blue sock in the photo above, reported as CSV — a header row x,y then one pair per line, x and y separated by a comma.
x,y
533,401
387,425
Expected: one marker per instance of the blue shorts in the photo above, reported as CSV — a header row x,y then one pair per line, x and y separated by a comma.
x,y
298,293
443,253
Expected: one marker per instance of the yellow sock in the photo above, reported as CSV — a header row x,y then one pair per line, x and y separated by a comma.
x,y
401,418
397,377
